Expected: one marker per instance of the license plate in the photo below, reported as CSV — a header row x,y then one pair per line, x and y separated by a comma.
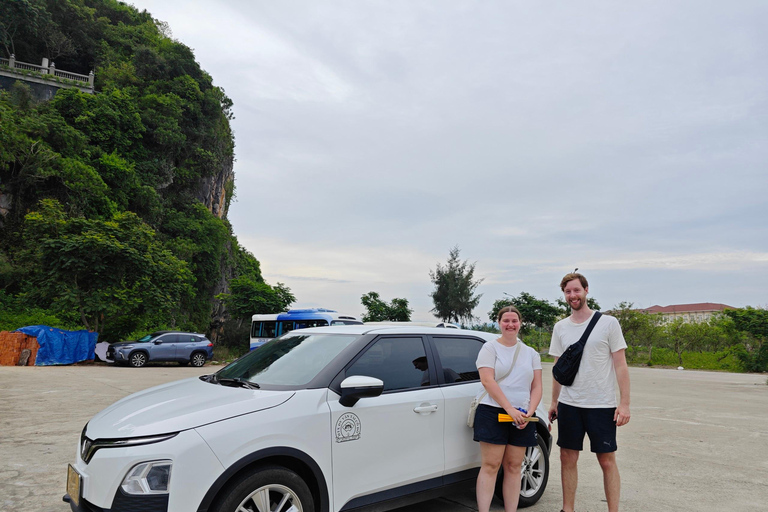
x,y
73,485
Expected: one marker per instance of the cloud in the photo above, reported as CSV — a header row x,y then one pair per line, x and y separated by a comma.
x,y
374,136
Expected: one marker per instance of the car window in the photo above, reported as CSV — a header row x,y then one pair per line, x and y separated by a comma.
x,y
401,363
168,338
291,360
458,357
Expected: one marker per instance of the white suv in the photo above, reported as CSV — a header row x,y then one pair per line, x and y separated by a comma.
x,y
322,419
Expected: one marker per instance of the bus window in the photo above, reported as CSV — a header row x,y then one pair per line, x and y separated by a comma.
x,y
268,329
255,329
318,322
286,326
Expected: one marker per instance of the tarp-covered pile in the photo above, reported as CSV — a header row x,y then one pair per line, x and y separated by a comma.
x,y
58,346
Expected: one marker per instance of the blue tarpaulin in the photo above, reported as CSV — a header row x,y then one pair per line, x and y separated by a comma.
x,y
58,346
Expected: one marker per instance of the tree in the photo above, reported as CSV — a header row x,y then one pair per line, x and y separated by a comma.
x,y
536,313
249,296
377,310
682,336
641,330
753,353
15,15
455,286
114,272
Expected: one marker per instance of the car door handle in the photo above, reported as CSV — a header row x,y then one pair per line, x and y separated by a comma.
x,y
425,408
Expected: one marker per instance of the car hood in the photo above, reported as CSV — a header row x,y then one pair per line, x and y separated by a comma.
x,y
178,406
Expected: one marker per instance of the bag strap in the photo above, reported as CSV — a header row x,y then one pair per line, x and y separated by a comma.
x,y
514,360
588,331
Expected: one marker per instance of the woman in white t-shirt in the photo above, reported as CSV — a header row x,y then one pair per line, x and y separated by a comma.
x,y
517,394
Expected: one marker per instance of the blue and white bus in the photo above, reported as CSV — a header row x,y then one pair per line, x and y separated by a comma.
x,y
266,327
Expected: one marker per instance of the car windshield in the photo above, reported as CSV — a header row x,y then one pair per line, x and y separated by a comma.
x,y
145,338
290,360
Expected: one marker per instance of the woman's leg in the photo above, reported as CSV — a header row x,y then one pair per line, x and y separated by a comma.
x,y
492,455
513,461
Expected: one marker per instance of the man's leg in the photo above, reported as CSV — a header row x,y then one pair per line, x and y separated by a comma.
x,y
570,439
611,479
569,474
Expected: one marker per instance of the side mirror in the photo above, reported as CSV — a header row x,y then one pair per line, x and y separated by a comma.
x,y
158,342
359,386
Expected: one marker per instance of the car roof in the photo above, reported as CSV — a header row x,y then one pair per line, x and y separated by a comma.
x,y
394,329
158,333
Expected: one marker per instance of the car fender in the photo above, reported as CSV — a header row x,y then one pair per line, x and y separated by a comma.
x,y
291,458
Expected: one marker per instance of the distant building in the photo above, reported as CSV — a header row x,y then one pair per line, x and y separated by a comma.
x,y
699,312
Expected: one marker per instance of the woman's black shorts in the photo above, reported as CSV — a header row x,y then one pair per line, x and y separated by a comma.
x,y
488,428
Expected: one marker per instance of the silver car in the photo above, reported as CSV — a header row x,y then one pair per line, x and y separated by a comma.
x,y
182,347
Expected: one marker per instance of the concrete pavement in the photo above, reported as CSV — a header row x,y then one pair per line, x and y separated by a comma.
x,y
697,440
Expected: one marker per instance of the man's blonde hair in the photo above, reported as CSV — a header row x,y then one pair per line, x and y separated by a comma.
x,y
570,277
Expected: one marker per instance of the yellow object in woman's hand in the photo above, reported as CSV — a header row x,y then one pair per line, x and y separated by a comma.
x,y
506,418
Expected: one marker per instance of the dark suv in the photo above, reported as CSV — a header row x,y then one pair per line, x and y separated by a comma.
x,y
183,347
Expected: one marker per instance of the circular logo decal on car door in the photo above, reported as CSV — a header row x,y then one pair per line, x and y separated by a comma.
x,y
347,428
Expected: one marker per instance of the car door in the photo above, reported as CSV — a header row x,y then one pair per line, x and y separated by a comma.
x,y
163,348
185,344
383,443
460,383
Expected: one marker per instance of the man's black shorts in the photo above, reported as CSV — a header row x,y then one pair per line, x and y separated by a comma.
x,y
488,428
574,422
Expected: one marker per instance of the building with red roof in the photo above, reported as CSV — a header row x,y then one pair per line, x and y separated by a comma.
x,y
698,312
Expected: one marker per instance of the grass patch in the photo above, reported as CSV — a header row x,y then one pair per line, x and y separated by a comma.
x,y
225,355
720,361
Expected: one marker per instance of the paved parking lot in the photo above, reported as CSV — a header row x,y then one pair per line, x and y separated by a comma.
x,y
697,440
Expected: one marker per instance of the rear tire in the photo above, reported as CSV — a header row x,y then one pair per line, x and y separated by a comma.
x,y
138,359
197,359
265,489
534,475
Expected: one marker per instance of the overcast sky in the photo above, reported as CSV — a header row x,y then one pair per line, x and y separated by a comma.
x,y
629,140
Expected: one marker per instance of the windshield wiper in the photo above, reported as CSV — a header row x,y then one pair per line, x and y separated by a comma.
x,y
237,381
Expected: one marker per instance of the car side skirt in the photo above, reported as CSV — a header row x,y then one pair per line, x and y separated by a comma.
x,y
412,493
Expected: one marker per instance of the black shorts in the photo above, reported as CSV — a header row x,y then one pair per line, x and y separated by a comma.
x,y
574,422
488,428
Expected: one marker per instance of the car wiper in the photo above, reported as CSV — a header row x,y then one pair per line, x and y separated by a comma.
x,y
238,381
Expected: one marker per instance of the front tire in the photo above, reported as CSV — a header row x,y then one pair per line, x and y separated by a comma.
x,y
138,359
197,360
534,474
268,489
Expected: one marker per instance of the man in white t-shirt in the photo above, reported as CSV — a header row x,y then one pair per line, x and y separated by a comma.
x,y
588,406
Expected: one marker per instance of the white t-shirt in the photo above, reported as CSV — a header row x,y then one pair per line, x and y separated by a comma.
x,y
595,383
517,385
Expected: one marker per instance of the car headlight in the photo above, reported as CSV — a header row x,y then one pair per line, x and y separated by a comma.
x,y
148,478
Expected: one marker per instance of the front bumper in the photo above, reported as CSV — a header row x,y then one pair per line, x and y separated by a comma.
x,y
195,468
122,503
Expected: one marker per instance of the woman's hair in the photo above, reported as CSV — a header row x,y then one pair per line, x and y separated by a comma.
x,y
509,309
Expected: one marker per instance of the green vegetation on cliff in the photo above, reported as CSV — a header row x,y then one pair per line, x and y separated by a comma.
x,y
113,205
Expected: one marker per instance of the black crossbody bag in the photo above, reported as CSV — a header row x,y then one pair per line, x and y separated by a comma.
x,y
567,366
